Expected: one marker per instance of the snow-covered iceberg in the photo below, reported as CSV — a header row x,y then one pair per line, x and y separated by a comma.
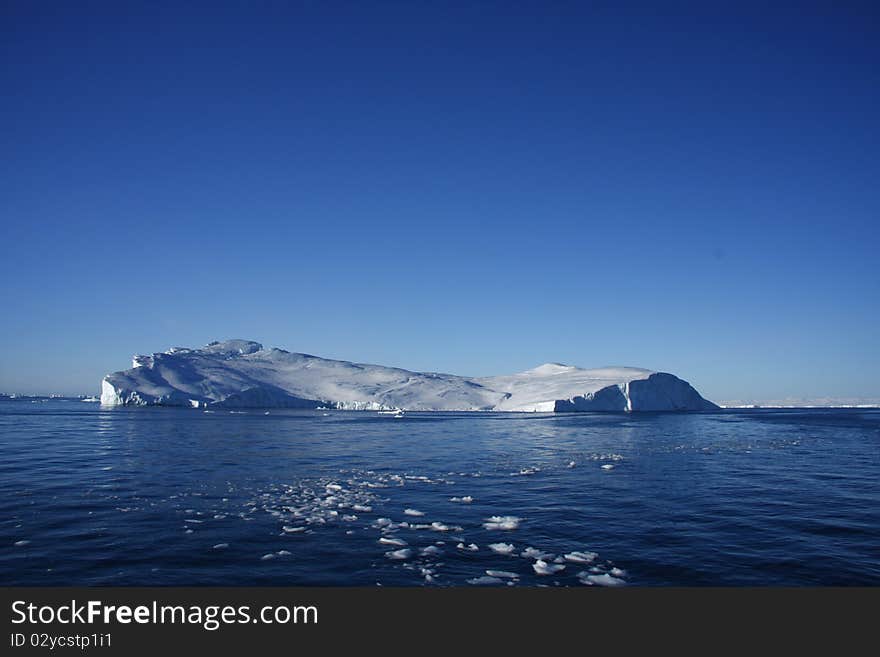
x,y
242,374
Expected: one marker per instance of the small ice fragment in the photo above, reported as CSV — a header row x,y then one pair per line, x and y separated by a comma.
x,y
21,543
535,553
413,512
543,568
440,527
502,522
283,553
618,572
486,580
399,542
571,464
467,499
504,574
405,553
292,530
362,508
266,557
581,557
431,551
467,548
502,548
608,466
383,522
604,580
221,546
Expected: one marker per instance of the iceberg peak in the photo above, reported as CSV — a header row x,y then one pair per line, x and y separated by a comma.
x,y
230,348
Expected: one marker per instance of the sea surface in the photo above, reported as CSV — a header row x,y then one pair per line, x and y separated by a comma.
x,y
163,496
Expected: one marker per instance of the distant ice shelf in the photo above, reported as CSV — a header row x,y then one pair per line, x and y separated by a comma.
x,y
243,374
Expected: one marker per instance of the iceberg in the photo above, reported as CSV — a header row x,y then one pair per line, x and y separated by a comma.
x,y
243,374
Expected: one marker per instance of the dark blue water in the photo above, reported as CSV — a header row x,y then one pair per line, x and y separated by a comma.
x,y
174,497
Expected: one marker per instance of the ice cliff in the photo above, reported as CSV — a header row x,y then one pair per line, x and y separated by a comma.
x,y
242,374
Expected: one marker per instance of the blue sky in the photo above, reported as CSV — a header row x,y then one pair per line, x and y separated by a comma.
x,y
466,187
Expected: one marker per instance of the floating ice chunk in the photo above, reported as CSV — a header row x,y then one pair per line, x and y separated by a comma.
x,y
349,518
362,508
603,580
618,572
467,548
535,553
440,527
220,546
525,472
607,466
267,557
431,551
571,464
467,499
504,574
399,555
399,542
292,530
383,522
543,568
502,522
283,553
486,580
333,487
21,543
502,548
413,512
581,557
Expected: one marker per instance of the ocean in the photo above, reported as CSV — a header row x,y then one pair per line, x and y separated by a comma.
x,y
165,496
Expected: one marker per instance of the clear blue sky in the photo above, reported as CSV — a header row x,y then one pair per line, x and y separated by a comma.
x,y
466,187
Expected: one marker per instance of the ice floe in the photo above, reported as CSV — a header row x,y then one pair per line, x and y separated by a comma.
x,y
502,522
581,557
541,567
502,548
486,580
535,553
399,555
602,580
